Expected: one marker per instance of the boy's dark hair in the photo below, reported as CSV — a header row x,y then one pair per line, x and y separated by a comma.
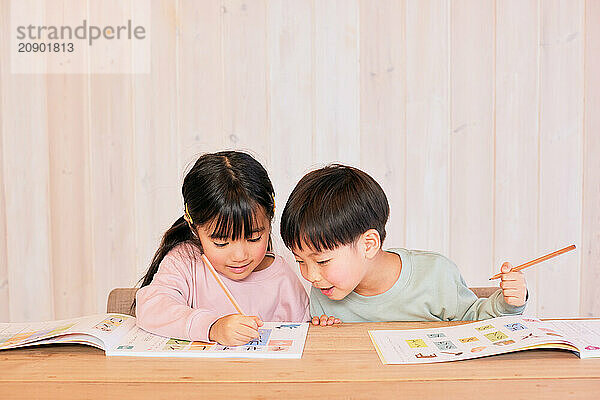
x,y
333,206
226,189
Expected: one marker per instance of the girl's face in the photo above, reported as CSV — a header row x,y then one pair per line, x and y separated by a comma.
x,y
236,259
336,272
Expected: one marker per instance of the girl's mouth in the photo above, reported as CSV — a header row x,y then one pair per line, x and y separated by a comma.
x,y
240,269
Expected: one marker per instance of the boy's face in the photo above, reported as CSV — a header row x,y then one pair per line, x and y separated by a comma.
x,y
335,272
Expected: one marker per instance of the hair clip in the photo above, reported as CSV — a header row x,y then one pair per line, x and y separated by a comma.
x,y
273,197
187,216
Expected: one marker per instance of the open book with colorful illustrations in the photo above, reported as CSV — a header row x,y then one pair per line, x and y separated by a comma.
x,y
118,335
486,338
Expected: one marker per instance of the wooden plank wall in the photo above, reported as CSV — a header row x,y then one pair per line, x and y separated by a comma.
x,y
479,118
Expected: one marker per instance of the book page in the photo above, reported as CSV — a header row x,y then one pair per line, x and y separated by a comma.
x,y
71,338
462,342
585,334
277,340
105,328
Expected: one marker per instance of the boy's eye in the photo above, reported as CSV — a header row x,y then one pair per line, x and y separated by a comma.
x,y
255,239
300,261
323,262
220,244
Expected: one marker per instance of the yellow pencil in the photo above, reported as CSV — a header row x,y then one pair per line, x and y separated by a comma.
x,y
220,282
537,260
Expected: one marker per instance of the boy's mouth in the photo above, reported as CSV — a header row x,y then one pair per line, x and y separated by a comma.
x,y
327,291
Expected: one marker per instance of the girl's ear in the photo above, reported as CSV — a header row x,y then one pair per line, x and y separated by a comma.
x,y
193,229
371,243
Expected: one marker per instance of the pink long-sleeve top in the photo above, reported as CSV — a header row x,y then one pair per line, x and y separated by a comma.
x,y
184,300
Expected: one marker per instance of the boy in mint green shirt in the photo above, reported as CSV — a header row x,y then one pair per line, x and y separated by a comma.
x,y
334,223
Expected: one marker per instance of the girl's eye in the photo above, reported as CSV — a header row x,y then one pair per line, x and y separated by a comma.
x,y
255,239
300,261
323,262
220,244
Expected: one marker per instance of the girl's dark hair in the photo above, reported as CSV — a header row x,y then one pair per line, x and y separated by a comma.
x,y
225,189
332,207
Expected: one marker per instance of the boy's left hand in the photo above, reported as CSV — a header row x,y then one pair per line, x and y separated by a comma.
x,y
514,287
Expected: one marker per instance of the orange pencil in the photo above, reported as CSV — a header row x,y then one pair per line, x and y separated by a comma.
x,y
220,282
537,260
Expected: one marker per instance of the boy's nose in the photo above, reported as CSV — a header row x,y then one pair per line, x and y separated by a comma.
x,y
313,273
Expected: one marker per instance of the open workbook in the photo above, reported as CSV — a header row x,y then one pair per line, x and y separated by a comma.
x,y
485,338
118,335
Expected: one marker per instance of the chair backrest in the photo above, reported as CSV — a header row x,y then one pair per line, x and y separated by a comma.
x,y
485,291
121,299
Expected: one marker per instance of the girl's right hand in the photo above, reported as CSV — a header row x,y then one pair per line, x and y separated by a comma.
x,y
234,329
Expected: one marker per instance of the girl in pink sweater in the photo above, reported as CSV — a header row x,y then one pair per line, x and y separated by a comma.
x,y
228,209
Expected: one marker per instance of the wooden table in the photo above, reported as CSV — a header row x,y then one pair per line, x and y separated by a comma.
x,y
338,362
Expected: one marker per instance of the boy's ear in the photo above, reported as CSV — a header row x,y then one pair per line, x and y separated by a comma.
x,y
371,243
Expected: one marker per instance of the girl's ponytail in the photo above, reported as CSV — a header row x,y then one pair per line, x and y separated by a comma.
x,y
179,232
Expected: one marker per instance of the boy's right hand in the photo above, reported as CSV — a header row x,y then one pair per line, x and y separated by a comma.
x,y
324,320
234,329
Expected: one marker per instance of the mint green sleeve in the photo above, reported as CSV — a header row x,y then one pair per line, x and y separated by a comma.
x,y
471,308
316,308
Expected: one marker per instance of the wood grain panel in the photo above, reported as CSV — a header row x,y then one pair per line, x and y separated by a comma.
x,y
590,240
427,125
516,142
383,106
245,67
199,81
112,163
26,187
472,138
337,134
561,127
291,90
157,191
68,135
4,71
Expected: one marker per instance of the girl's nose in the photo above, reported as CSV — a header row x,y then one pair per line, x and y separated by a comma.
x,y
240,252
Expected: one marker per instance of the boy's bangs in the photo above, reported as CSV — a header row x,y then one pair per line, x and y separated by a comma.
x,y
321,225
320,236
234,220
